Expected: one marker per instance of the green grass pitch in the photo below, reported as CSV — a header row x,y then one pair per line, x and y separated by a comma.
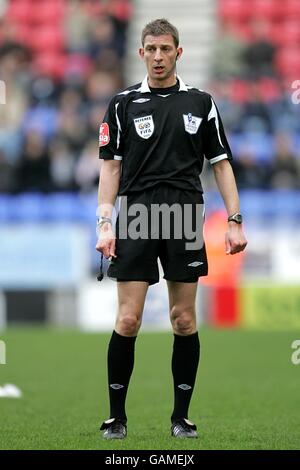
x,y
246,396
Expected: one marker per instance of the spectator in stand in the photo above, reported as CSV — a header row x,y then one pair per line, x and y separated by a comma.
x,y
258,56
77,27
249,173
62,165
228,50
95,115
87,167
72,124
230,110
120,12
284,171
100,86
33,172
255,114
102,36
7,175
14,73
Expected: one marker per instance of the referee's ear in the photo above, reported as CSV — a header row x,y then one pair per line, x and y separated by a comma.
x,y
179,53
141,52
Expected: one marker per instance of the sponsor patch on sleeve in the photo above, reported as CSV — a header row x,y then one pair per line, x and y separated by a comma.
x,y
104,134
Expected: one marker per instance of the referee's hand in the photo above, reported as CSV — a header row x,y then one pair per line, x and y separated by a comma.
x,y
235,240
106,243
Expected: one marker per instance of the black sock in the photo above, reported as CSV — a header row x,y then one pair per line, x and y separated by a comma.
x,y
185,359
120,361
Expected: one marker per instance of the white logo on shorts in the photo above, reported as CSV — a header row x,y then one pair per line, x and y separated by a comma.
x,y
144,126
195,264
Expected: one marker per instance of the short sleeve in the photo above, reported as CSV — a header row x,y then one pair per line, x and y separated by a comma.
x,y
110,133
215,144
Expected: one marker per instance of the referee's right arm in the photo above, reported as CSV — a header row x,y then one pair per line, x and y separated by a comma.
x,y
110,147
109,182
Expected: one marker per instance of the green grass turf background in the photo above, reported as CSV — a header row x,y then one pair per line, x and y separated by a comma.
x,y
247,394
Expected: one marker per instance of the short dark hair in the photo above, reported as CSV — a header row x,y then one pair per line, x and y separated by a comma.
x,y
159,27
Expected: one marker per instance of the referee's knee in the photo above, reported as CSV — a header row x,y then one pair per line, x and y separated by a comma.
x,y
183,321
128,324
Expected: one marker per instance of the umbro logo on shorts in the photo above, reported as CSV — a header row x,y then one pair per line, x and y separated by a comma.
x,y
116,386
195,264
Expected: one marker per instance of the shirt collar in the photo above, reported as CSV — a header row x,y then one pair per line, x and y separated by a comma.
x,y
145,87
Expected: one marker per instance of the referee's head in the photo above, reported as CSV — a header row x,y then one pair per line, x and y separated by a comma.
x,y
160,27
160,50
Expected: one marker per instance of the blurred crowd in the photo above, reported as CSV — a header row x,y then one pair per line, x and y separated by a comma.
x,y
49,123
58,83
256,70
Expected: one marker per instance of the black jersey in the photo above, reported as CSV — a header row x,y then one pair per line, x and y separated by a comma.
x,y
162,136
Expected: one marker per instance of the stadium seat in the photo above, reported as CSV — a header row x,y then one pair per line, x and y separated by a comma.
x,y
50,64
27,207
269,89
292,9
19,11
239,90
234,10
286,33
288,62
259,144
243,30
60,207
5,211
47,39
263,9
23,33
278,9
50,11
121,9
77,65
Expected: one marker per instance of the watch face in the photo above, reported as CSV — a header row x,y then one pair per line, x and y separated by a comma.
x,y
236,218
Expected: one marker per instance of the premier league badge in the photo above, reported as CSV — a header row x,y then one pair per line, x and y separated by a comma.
x,y
191,123
144,126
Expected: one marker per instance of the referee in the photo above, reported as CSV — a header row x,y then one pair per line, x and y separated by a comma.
x,y
153,141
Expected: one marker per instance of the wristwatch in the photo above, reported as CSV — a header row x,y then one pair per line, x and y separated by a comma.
x,y
237,218
103,220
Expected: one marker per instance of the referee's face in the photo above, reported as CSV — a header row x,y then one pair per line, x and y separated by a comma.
x,y
160,55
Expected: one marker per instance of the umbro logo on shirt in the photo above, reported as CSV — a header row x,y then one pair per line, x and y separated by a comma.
x,y
141,100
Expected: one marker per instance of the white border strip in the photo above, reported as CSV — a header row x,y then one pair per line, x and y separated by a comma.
x,y
218,158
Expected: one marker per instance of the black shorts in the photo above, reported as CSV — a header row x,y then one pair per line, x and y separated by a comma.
x,y
142,238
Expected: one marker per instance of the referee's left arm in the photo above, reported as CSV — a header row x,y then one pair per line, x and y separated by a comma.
x,y
235,240
218,152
